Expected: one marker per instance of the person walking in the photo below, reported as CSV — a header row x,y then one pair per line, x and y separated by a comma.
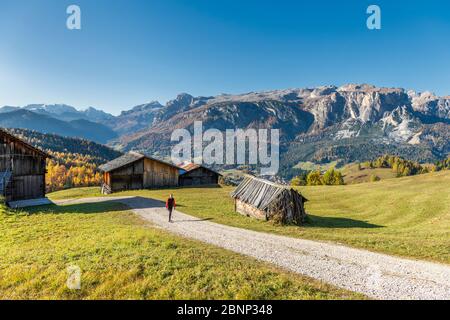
x,y
170,205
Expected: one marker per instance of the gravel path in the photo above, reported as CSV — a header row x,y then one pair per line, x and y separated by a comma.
x,y
375,275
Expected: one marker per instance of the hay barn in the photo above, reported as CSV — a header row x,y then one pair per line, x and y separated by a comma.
x,y
195,175
262,199
134,171
22,169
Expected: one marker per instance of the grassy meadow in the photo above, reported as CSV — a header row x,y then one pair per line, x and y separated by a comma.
x,y
352,174
123,257
408,216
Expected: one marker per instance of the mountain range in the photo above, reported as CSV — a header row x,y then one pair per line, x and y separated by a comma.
x,y
59,119
348,123
62,112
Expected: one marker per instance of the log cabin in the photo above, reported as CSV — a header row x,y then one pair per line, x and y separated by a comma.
x,y
196,175
134,171
263,199
22,169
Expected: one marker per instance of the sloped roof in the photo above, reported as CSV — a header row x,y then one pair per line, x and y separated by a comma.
x,y
15,139
121,161
189,166
127,159
161,161
260,193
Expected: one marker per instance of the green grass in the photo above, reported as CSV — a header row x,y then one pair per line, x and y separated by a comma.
x,y
76,193
352,174
122,257
408,217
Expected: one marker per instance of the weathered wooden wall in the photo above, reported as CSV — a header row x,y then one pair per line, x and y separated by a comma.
x,y
129,177
287,210
200,176
27,187
157,174
142,174
248,210
107,178
28,168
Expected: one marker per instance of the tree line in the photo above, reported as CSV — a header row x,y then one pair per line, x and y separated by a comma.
x,y
443,165
404,168
400,166
74,161
69,170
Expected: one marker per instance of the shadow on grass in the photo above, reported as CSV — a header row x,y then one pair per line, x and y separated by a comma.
x,y
105,206
333,222
100,206
82,208
203,186
192,220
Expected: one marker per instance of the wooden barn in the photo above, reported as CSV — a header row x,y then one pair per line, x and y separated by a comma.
x,y
266,200
134,171
22,169
195,175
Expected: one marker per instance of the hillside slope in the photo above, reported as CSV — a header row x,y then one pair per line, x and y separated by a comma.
x,y
360,174
408,216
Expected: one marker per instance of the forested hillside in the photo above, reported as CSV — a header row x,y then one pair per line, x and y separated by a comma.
x,y
74,161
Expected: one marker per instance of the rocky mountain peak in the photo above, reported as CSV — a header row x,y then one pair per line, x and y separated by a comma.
x,y
97,115
183,100
181,103
357,87
142,108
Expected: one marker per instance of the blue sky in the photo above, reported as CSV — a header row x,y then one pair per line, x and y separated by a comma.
x,y
131,52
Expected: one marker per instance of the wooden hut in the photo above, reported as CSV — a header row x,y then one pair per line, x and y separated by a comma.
x,y
266,200
134,171
22,169
195,175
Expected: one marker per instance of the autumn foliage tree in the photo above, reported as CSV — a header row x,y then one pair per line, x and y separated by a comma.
x,y
67,170
331,177
400,166
74,162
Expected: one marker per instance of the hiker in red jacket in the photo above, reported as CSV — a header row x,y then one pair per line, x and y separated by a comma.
x,y
170,205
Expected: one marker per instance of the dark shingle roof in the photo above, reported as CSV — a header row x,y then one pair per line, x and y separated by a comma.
x,y
128,159
121,161
189,166
260,193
